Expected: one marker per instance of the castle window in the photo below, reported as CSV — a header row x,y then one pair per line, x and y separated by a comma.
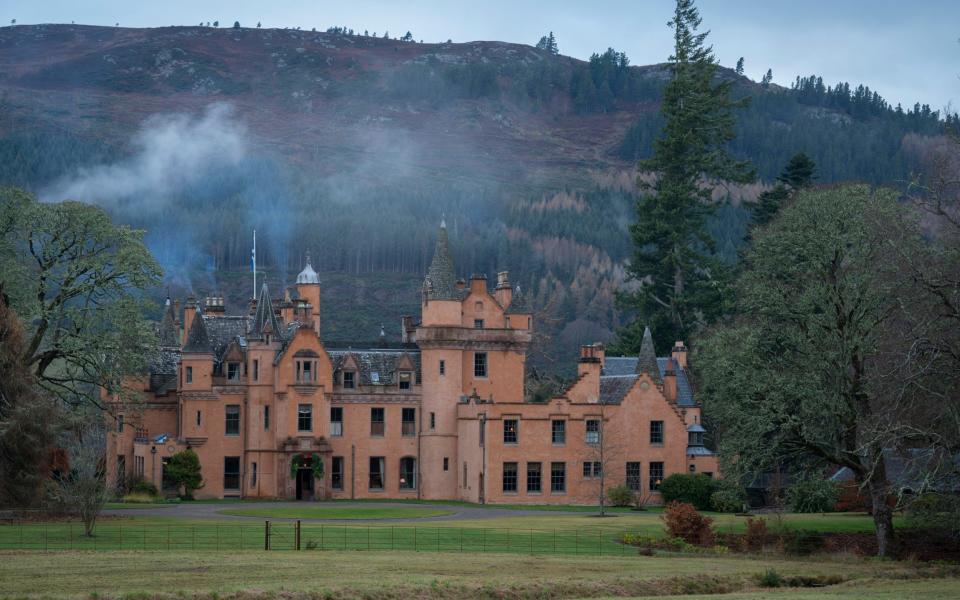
x,y
633,476
479,364
376,422
233,371
376,473
231,473
534,479
558,432
336,421
408,473
656,432
305,417
656,475
433,420
509,477
253,474
695,438
408,423
336,473
232,419
256,370
558,477
405,380
443,367
266,418
189,374
306,371
593,431
119,423
510,431
446,463
349,380
199,417
478,323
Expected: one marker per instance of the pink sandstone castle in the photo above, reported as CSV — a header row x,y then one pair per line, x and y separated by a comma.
x,y
273,412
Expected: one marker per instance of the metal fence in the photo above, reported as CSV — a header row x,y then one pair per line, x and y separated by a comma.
x,y
295,535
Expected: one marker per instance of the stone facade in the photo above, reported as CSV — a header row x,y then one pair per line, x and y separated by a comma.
x,y
274,411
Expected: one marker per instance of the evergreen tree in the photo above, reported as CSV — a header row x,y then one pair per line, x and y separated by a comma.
x,y
236,24
767,78
740,66
258,24
548,43
796,175
681,282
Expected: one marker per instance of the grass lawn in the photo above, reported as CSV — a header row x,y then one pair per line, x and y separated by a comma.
x,y
925,589
326,511
409,574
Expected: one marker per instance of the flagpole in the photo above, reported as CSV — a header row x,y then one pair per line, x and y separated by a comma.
x,y
254,263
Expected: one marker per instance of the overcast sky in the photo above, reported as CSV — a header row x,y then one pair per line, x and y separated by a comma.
x,y
907,50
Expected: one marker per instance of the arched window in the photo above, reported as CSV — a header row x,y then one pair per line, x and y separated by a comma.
x,y
408,473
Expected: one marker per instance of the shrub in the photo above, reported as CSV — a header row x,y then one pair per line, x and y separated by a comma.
x,y
683,521
756,533
620,495
690,489
771,579
139,498
813,496
143,488
184,470
727,500
934,511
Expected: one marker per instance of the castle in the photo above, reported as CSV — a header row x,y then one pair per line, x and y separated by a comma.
x,y
274,412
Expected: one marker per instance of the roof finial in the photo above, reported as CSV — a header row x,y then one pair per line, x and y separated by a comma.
x,y
443,221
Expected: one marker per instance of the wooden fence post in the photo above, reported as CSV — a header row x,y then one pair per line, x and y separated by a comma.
x,y
298,534
266,535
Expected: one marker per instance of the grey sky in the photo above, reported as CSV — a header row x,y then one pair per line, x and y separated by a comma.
x,y
906,50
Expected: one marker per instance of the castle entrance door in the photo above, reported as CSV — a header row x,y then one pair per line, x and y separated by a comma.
x,y
305,483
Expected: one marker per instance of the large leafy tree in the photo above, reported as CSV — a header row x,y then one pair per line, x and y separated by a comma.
x,y
680,282
828,363
77,281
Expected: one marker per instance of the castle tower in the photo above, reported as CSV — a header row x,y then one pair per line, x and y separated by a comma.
x,y
308,288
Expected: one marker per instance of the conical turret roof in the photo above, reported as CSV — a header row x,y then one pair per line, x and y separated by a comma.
x,y
198,340
168,334
647,359
265,319
440,282
520,304
308,275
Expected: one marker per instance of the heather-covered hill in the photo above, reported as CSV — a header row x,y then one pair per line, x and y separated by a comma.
x,y
354,147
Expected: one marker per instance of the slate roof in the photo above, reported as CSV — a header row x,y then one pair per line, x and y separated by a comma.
x,y
614,388
440,282
168,333
265,319
911,469
520,304
626,366
647,359
223,330
376,360
163,370
197,338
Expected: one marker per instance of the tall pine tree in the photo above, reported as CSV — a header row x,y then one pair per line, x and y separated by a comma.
x,y
796,175
680,282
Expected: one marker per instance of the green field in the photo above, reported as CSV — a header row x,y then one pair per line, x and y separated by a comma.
x,y
406,574
321,511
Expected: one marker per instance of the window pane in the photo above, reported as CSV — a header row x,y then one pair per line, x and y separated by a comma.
x,y
336,421
509,431
480,364
510,477
409,424
231,472
348,379
408,473
376,472
656,475
336,473
558,477
376,421
593,431
533,477
305,417
656,432
633,476
232,413
559,432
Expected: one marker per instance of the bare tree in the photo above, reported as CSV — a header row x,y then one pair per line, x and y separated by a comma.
x,y
604,451
82,487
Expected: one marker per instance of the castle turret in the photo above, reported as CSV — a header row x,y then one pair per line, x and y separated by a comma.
x,y
308,288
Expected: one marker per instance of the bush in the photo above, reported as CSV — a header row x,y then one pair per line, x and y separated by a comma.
x,y
934,511
813,496
620,495
771,579
755,535
690,489
184,470
729,497
683,521
143,488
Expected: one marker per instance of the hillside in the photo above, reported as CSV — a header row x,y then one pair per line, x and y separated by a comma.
x,y
354,147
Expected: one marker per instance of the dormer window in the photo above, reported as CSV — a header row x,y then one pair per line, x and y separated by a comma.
x,y
375,377
233,371
349,380
478,323
695,438
405,380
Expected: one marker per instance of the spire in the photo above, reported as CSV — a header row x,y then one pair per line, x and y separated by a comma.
x,y
265,320
519,304
440,282
197,338
168,327
647,360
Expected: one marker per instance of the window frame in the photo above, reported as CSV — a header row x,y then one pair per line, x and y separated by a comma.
x,y
481,365
266,418
231,475
408,427
336,425
558,478
235,367
514,433
305,417
229,412
411,481
593,439
634,480
405,380
558,437
378,428
655,475
352,385
336,474
656,433
536,477
510,476
381,467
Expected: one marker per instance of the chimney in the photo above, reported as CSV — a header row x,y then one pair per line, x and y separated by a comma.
x,y
213,305
590,365
503,292
176,312
680,354
478,284
305,313
189,312
460,285
288,310
407,330
670,381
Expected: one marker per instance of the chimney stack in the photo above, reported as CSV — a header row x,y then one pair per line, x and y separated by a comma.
x,y
670,381
503,292
680,354
590,365
189,313
214,304
478,283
